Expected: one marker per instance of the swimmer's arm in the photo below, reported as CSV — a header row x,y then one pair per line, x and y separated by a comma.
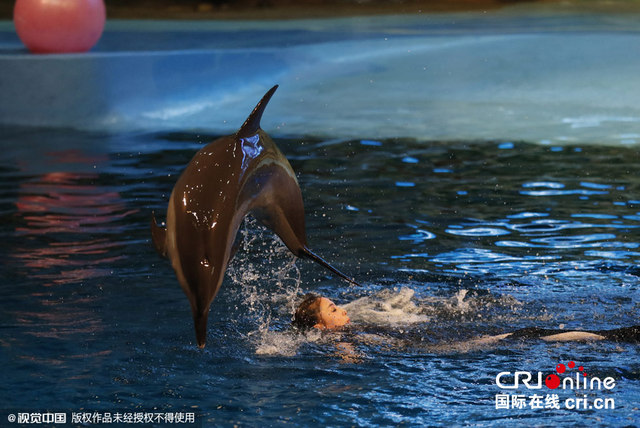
x,y
573,336
488,340
348,353
566,336
624,334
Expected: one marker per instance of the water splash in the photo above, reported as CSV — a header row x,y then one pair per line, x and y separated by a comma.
x,y
278,343
266,297
401,307
388,307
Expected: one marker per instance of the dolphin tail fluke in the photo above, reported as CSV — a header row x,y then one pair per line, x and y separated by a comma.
x,y
158,236
306,252
251,126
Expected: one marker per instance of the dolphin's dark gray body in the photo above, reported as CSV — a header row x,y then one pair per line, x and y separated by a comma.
x,y
229,178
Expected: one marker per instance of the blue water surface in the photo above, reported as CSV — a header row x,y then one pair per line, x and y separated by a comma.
x,y
513,235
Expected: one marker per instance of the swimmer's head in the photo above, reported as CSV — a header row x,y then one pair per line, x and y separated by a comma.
x,y
319,312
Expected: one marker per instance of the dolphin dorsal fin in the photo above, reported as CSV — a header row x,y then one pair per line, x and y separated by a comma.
x,y
251,126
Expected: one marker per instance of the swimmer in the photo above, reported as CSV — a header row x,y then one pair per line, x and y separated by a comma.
x,y
321,313
317,312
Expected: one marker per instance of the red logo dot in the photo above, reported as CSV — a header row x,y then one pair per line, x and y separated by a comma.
x,y
560,368
552,381
580,368
571,364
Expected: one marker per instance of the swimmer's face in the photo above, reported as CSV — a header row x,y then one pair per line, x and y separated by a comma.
x,y
330,316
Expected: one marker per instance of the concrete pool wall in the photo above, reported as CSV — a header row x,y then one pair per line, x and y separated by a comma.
x,y
515,74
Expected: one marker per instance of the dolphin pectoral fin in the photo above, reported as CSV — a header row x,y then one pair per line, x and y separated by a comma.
x,y
158,236
306,252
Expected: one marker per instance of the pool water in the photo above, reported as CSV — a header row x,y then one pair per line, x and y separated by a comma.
x,y
450,239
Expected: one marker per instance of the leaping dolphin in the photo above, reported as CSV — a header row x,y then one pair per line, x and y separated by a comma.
x,y
226,180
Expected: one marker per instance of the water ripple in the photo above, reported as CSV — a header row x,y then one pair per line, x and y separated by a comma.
x,y
475,255
619,255
562,192
477,231
547,184
527,214
597,240
590,185
420,235
599,216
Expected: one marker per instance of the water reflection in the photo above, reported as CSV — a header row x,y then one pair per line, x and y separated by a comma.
x,y
60,205
63,243
56,204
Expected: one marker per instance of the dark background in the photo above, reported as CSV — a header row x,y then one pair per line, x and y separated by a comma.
x,y
276,9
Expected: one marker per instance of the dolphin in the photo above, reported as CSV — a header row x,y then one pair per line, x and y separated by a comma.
x,y
240,174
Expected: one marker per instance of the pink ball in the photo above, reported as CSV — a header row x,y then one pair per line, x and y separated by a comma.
x,y
59,26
